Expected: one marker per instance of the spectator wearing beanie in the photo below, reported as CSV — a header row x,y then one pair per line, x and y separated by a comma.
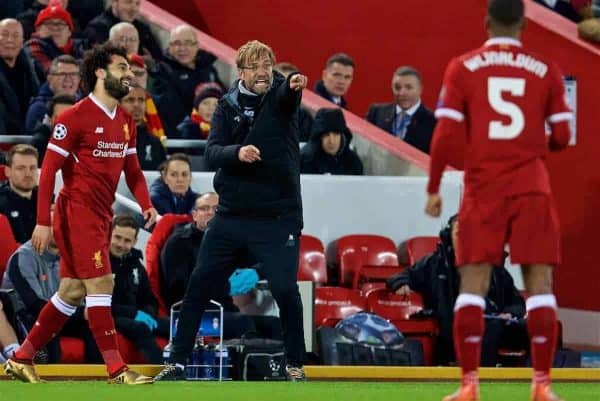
x,y
328,150
52,37
154,124
197,124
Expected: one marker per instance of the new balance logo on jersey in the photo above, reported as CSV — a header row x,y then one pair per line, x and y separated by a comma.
x,y
539,339
473,339
99,130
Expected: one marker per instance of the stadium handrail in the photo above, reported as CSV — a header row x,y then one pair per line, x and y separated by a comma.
x,y
357,125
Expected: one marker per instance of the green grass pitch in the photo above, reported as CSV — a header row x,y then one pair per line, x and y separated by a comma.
x,y
250,391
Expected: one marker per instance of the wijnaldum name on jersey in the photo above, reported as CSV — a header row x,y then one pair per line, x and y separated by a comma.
x,y
506,58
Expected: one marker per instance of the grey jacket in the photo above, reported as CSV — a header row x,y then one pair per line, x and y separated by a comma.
x,y
35,278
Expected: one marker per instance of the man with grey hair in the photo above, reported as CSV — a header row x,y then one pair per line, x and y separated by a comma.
x,y
97,31
126,35
18,78
63,79
406,118
176,78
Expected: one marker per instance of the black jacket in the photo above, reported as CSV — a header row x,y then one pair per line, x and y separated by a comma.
x,y
166,202
174,87
21,212
150,151
435,277
322,91
418,133
13,106
97,31
132,291
314,160
270,187
177,260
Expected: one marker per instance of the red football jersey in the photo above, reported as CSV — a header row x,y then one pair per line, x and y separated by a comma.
x,y
504,94
95,143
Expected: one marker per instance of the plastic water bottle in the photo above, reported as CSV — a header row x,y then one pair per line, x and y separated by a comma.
x,y
167,351
225,354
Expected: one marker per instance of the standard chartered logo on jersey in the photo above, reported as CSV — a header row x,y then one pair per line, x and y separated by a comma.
x,y
113,150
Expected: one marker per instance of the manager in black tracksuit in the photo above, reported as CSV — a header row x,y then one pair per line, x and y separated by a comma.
x,y
253,145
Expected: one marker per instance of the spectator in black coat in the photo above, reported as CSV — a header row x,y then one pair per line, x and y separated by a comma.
x,y
171,193
150,151
134,306
18,197
435,277
97,31
336,80
406,118
175,79
328,151
18,78
41,135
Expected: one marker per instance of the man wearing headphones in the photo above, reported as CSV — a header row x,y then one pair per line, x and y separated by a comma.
x,y
435,277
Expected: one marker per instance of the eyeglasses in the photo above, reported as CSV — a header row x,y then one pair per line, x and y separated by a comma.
x,y
186,43
55,24
71,75
125,39
206,208
255,67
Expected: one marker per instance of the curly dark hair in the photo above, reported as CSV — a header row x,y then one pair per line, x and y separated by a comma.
x,y
98,57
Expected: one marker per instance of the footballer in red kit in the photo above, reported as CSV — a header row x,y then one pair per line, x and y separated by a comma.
x,y
496,102
92,143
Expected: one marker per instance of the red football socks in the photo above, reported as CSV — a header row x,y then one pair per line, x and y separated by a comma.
x,y
542,328
468,331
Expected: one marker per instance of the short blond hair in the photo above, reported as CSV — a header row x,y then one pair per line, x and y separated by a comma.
x,y
253,50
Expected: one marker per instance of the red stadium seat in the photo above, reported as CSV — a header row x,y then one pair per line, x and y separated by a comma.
x,y
312,265
8,244
356,253
157,240
73,350
2,174
333,304
398,310
419,247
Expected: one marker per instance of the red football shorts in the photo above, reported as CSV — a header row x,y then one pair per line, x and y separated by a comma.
x,y
82,238
527,222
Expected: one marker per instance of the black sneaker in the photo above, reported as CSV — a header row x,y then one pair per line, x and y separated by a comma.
x,y
169,373
295,373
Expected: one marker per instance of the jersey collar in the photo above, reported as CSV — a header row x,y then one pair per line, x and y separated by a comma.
x,y
501,40
109,113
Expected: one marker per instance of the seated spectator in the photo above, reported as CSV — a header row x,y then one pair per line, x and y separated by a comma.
x,y
35,278
52,37
153,121
435,277
133,304
328,151
336,79
407,118
125,35
97,31
18,78
185,66
18,197
41,135
178,258
150,151
305,119
171,193
8,337
27,18
197,124
63,79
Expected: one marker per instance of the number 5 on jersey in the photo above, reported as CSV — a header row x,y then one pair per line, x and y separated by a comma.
x,y
516,87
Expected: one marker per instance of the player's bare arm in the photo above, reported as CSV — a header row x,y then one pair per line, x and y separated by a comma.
x,y
150,216
41,238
